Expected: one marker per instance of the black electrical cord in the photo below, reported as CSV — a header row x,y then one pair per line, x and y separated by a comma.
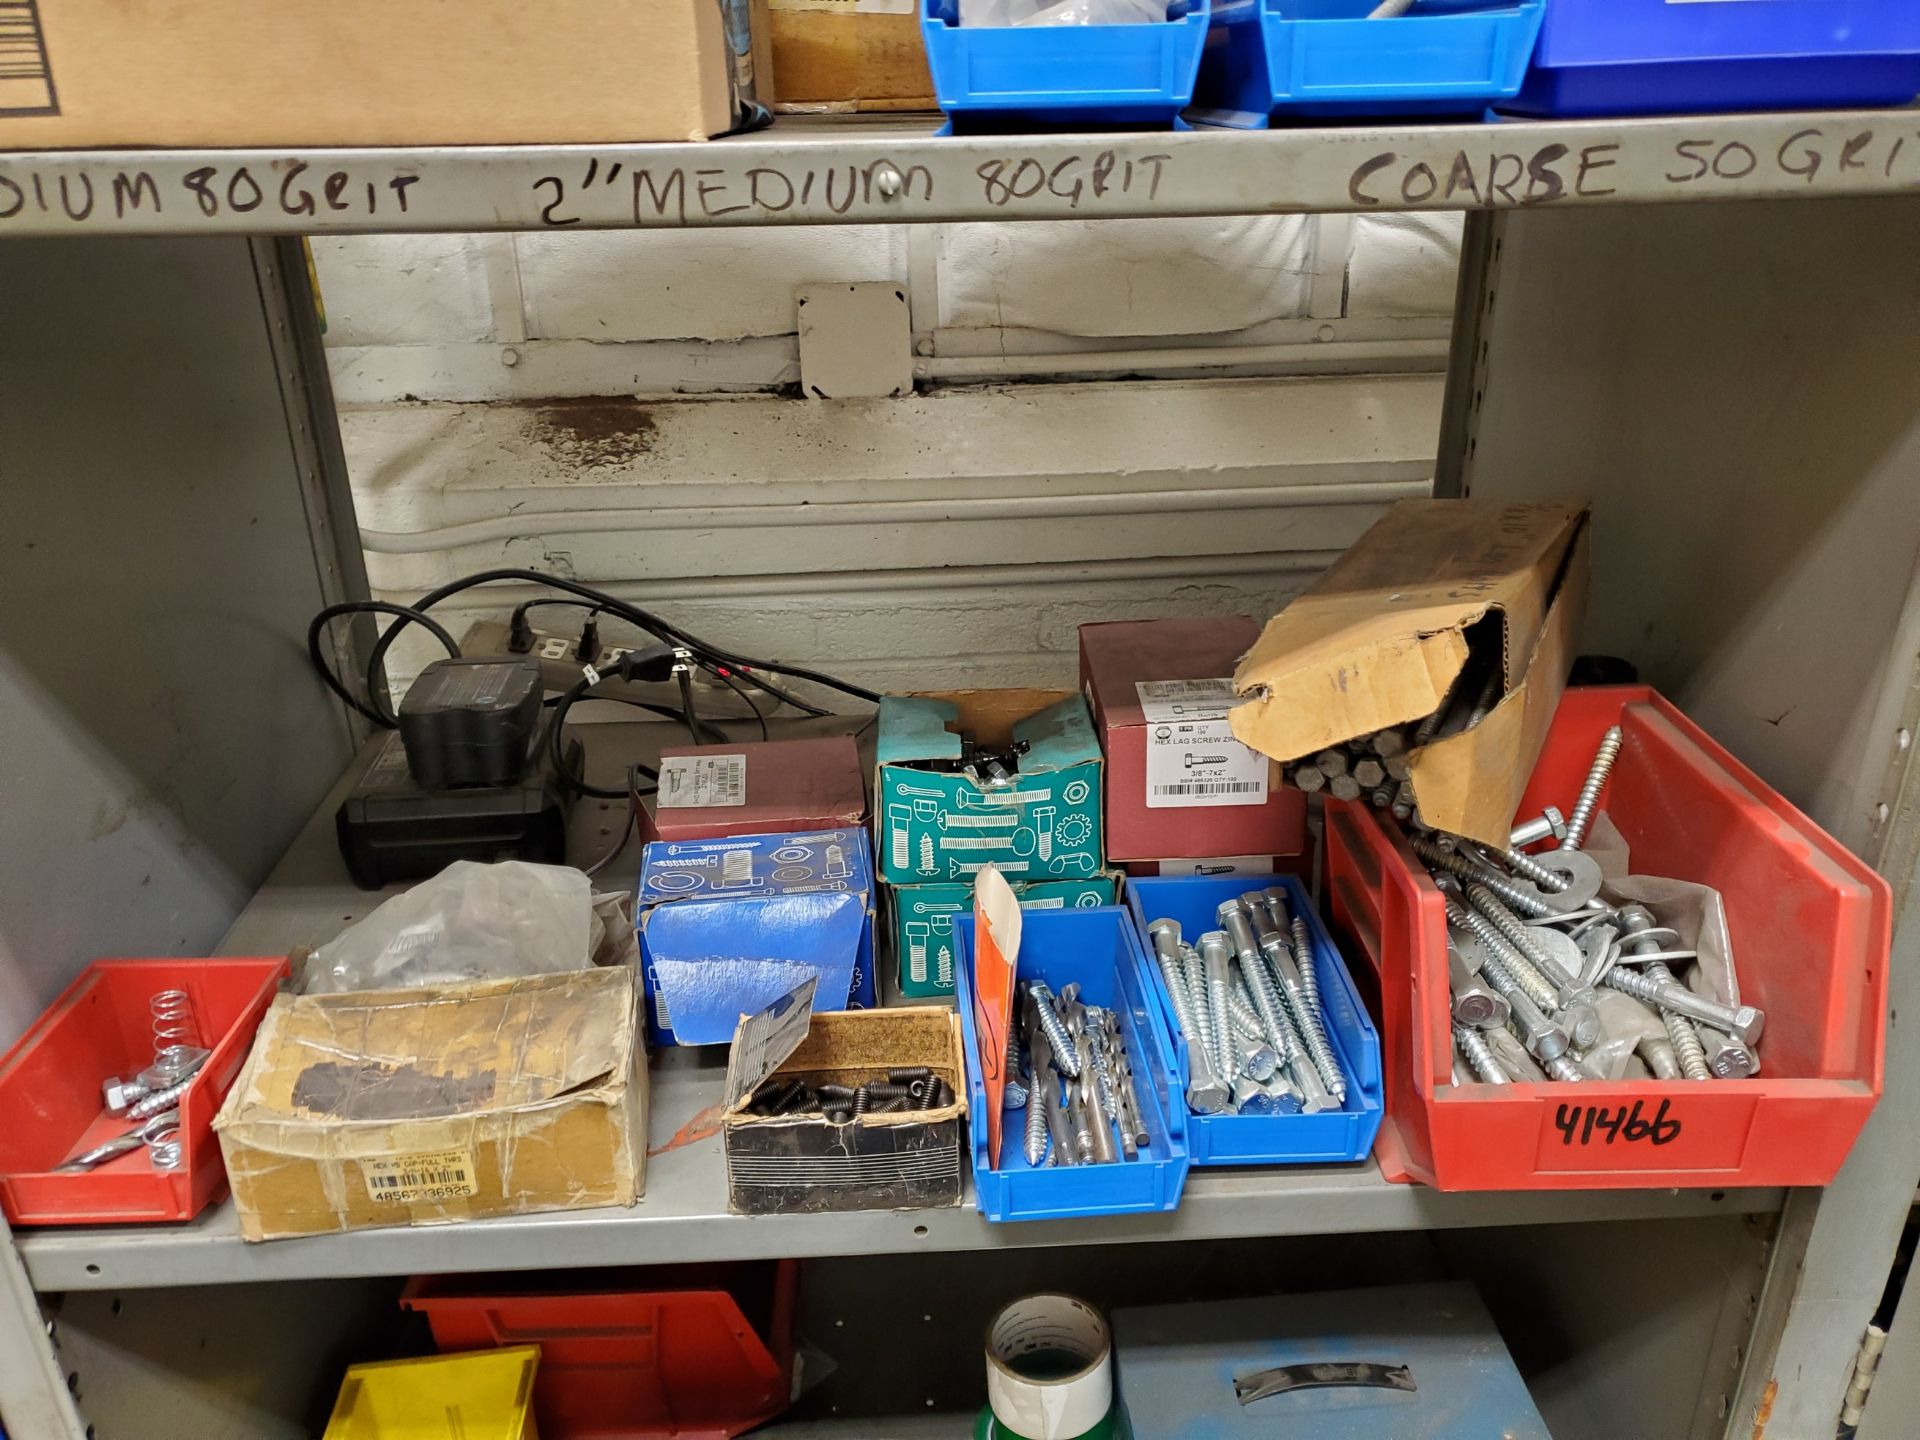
x,y
727,680
685,675
406,614
642,619
714,734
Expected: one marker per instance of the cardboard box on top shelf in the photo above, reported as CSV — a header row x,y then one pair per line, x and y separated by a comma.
x,y
919,922
1435,589
934,822
365,72
728,925
708,792
440,1104
843,56
805,1164
1178,784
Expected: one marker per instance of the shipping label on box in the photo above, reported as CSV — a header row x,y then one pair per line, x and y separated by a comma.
x,y
942,824
920,922
727,926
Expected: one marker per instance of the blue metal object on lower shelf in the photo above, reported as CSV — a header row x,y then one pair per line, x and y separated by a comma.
x,y
1325,58
1063,77
1330,1137
1638,57
1099,949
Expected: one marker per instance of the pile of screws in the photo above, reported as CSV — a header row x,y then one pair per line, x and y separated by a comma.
x,y
1248,1002
1530,946
908,1088
1082,1107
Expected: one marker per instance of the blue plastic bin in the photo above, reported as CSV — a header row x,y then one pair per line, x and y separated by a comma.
x,y
1100,948
1325,58
1329,1137
1063,77
1635,57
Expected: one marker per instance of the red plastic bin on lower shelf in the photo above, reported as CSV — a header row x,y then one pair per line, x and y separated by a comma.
x,y
51,1107
1810,926
693,1352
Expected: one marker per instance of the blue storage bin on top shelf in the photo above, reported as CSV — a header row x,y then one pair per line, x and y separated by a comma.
x,y
1100,950
1630,57
1325,58
1330,1137
1063,77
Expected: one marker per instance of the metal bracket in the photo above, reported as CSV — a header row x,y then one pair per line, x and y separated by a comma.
x,y
855,340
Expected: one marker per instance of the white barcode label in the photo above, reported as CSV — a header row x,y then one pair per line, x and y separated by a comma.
x,y
1200,763
1169,701
689,782
423,1179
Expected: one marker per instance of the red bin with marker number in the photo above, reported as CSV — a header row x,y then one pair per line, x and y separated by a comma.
x,y
1810,925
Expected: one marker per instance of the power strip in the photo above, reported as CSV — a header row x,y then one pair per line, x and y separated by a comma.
x,y
561,667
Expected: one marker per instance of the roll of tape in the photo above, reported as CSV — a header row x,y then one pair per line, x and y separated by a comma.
x,y
1049,1367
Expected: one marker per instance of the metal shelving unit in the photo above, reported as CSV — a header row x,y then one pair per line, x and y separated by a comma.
x,y
1732,385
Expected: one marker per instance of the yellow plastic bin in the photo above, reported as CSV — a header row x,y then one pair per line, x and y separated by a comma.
x,y
483,1395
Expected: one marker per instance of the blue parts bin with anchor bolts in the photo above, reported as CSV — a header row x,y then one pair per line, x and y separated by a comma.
x,y
1293,1075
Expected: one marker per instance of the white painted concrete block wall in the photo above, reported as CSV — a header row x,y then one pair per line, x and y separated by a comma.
x,y
926,541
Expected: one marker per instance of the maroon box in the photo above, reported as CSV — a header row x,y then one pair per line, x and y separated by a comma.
x,y
1177,783
767,787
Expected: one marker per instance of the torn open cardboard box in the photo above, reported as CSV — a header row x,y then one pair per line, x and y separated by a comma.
x,y
439,1104
1436,589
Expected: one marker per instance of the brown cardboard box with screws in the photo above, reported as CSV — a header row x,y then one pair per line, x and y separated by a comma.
x,y
805,1163
441,1104
1436,591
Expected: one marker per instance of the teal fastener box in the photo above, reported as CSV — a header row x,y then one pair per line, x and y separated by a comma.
x,y
932,824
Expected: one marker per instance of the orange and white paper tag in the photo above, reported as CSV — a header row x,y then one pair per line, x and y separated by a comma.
x,y
996,944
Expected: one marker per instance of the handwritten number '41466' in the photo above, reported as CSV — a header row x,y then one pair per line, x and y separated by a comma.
x,y
1582,1124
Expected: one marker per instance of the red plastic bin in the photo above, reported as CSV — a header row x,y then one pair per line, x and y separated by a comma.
x,y
702,1351
51,1107
1810,926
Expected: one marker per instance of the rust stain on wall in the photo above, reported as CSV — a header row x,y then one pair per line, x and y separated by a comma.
x,y
592,430
1765,1411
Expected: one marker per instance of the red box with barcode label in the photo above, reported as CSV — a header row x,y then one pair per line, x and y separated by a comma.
x,y
1810,926
1178,784
765,787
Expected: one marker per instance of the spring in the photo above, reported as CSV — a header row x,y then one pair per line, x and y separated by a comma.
x,y
166,1149
174,1022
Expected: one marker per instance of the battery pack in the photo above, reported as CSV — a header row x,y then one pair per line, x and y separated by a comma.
x,y
392,827
471,721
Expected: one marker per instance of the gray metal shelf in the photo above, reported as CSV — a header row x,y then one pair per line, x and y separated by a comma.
x,y
858,170
684,1217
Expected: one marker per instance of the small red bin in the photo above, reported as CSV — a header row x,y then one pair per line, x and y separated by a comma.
x,y
695,1352
1810,925
51,1106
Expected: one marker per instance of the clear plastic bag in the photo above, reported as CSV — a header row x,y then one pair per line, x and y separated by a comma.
x,y
1005,13
469,922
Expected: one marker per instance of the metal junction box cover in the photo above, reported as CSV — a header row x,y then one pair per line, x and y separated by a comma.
x,y
728,926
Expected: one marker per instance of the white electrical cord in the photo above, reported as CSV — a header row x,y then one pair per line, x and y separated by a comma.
x,y
1388,9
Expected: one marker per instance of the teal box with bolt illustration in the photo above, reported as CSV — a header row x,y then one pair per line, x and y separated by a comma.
x,y
935,822
919,919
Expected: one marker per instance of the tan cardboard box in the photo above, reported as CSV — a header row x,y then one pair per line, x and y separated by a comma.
x,y
1381,637
844,56
365,72
430,1106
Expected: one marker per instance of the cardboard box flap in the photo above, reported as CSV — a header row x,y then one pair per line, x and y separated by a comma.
x,y
340,1075
1054,723
1380,638
763,1040
1470,784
